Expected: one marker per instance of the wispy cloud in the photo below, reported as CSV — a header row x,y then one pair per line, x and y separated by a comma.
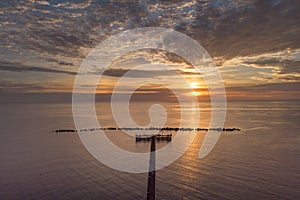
x,y
19,67
139,73
274,67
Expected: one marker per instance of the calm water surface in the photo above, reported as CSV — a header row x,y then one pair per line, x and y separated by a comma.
x,y
260,162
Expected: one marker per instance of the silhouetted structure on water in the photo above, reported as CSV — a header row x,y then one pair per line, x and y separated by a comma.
x,y
158,137
148,129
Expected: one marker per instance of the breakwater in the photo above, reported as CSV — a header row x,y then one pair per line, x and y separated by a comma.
x,y
146,129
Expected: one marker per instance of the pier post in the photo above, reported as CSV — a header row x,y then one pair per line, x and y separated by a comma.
x,y
151,173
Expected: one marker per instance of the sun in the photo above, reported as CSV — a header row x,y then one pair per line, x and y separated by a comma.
x,y
194,86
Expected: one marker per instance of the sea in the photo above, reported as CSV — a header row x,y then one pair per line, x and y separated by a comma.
x,y
262,161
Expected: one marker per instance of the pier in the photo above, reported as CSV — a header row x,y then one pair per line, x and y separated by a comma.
x,y
151,173
157,137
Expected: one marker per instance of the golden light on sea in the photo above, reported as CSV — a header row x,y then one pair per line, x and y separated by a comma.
x,y
194,93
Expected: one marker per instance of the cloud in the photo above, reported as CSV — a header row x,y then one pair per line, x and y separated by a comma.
x,y
153,56
286,66
19,87
233,32
59,62
270,67
19,67
139,73
73,5
283,87
224,28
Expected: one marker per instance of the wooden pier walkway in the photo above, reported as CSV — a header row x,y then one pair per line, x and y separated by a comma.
x,y
151,173
157,137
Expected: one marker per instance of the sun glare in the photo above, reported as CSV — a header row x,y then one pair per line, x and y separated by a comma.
x,y
194,85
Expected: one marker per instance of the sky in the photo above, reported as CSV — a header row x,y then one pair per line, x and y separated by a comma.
x,y
254,43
